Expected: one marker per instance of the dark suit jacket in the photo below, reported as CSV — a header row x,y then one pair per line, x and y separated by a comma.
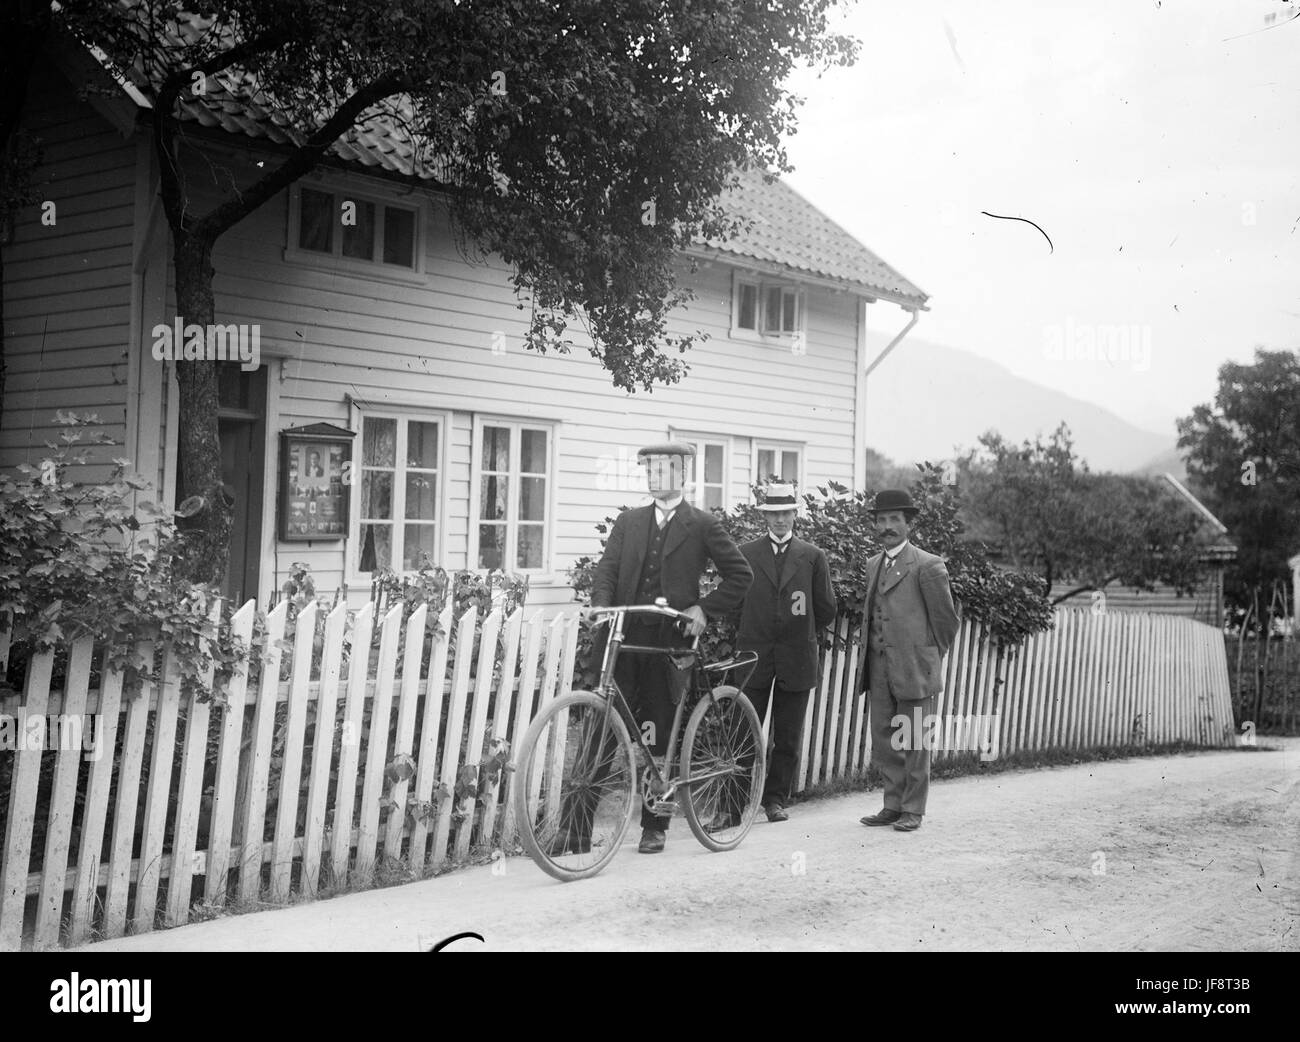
x,y
920,622
782,623
694,537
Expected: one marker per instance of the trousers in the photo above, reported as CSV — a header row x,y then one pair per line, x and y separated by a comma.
x,y
906,771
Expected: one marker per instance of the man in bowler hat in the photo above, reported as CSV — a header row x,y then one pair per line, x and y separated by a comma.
x,y
662,550
908,624
791,601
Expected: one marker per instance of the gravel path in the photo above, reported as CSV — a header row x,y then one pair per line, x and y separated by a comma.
x,y
1194,852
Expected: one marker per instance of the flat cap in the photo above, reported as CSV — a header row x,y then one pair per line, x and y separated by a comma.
x,y
668,448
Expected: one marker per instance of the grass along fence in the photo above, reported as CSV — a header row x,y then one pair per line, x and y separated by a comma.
x,y
302,786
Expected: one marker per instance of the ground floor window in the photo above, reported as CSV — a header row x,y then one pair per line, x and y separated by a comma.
x,y
779,461
398,491
712,465
511,495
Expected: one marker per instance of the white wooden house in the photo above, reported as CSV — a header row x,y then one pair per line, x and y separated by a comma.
x,y
466,446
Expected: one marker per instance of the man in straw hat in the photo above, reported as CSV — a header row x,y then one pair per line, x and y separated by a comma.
x,y
662,550
791,601
908,624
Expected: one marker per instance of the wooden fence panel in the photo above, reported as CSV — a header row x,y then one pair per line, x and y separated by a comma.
x,y
128,797
426,760
377,748
161,757
345,785
95,815
226,778
501,714
190,793
487,654
258,764
405,741
451,743
63,793
322,754
21,820
295,730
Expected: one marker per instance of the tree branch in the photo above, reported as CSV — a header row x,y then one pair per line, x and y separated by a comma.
x,y
1083,589
303,159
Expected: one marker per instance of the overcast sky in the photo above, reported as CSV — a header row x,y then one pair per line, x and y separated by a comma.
x,y
1160,156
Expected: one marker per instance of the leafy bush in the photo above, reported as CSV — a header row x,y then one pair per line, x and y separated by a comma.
x,y
1010,604
96,560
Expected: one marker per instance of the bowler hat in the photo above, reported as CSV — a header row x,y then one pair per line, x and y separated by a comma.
x,y
779,497
895,499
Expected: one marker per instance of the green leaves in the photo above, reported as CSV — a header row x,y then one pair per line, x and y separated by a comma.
x,y
67,570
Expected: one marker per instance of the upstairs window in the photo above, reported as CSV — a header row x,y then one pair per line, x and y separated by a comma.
x,y
341,224
767,308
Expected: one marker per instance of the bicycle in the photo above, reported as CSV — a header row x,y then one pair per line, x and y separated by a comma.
x,y
575,778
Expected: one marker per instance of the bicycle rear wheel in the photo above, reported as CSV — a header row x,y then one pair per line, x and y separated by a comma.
x,y
723,747
574,787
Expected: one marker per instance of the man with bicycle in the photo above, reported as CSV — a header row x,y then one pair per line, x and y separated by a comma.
x,y
662,550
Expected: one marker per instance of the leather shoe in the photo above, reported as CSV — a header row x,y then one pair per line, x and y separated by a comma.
x,y
652,841
908,823
775,812
882,817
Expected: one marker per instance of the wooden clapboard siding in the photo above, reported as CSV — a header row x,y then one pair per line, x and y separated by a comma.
x,y
340,337
67,286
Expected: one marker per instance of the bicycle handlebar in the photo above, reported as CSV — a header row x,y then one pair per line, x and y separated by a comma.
x,y
647,609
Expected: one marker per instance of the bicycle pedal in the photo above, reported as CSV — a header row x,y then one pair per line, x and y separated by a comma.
x,y
664,808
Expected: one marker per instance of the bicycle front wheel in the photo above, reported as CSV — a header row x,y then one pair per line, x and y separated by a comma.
x,y
574,786
725,761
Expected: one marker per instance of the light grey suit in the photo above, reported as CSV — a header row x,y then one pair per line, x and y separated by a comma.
x,y
902,650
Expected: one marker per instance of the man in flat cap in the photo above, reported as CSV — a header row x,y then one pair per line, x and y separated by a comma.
x,y
791,602
908,624
662,550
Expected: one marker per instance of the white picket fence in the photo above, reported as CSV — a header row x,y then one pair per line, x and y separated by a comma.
x,y
129,848
1095,680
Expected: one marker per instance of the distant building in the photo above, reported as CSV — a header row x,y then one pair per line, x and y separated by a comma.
x,y
1205,603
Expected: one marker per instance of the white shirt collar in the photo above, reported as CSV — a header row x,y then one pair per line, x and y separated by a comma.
x,y
897,550
780,542
665,507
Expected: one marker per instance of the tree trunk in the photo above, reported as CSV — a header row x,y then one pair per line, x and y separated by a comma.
x,y
205,550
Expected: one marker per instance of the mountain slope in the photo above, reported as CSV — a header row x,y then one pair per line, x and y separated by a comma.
x,y
927,399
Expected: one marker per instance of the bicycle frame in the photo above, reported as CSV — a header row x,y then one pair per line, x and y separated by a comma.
x,y
664,783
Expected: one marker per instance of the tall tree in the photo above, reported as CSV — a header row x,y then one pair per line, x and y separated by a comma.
x,y
1243,458
1051,515
584,141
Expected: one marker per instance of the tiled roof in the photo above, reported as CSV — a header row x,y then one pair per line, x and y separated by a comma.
x,y
785,232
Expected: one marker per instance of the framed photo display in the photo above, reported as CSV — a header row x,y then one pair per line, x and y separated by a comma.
x,y
315,477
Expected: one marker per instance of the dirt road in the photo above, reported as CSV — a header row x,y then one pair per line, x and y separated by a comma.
x,y
1197,852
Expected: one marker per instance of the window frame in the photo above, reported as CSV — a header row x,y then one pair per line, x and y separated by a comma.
x,y
761,444
700,439
516,424
335,260
352,571
764,286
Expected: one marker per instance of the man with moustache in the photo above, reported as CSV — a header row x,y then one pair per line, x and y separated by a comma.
x,y
790,603
656,551
908,624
